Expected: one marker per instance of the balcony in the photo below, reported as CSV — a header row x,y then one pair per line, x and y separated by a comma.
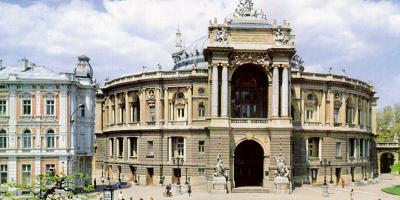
x,y
314,160
249,122
387,145
310,123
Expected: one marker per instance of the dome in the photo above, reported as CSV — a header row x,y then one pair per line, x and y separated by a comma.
x,y
191,56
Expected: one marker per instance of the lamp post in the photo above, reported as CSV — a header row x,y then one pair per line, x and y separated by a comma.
x,y
331,181
179,162
186,181
325,163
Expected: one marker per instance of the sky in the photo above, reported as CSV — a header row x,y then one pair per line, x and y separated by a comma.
x,y
121,36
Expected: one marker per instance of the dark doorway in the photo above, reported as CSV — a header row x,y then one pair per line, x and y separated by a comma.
x,y
249,163
387,159
314,175
176,175
352,172
338,173
249,93
149,178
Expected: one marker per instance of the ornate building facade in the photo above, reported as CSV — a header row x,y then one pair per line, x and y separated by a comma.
x,y
46,121
240,92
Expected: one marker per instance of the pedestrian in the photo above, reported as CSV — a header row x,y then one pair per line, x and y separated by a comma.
x,y
151,198
342,182
131,198
120,196
190,190
102,180
352,194
94,183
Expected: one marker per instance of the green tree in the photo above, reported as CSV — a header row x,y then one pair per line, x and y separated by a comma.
x,y
52,186
395,168
388,122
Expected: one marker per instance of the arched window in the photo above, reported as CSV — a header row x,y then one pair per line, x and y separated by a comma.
x,y
180,106
180,95
3,139
202,110
349,111
50,139
310,111
27,139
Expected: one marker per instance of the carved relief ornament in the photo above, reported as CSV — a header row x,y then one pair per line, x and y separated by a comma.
x,y
239,59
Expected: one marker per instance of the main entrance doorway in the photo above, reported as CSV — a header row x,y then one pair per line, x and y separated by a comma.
x,y
249,162
387,159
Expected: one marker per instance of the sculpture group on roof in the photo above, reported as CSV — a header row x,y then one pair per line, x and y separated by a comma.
x,y
246,9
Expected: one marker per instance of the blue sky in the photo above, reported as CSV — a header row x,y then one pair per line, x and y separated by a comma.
x,y
361,36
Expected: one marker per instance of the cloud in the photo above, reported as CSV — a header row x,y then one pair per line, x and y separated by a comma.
x,y
122,36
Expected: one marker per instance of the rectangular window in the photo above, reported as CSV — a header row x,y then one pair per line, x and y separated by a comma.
x,y
352,142
27,141
336,115
120,142
152,113
50,103
26,174
338,150
111,140
50,168
309,115
201,146
202,172
3,174
361,147
313,147
133,147
202,111
177,147
26,107
3,107
50,141
150,148
3,141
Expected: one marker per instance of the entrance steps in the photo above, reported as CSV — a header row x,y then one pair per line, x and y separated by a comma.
x,y
250,189
386,176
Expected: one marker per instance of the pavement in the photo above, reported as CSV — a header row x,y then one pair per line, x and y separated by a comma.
x,y
306,192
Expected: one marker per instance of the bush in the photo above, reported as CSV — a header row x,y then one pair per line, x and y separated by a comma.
x,y
395,168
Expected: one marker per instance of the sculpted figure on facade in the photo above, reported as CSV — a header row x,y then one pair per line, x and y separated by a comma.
x,y
221,36
246,9
281,166
219,168
281,37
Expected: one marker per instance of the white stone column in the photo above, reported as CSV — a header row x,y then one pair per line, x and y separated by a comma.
x,y
190,106
306,149
224,91
214,92
285,92
166,106
275,91
320,148
64,117
142,106
169,149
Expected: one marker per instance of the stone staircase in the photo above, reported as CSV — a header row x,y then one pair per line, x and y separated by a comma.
x,y
250,189
386,176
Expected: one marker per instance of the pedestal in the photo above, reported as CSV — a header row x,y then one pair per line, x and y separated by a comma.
x,y
218,185
281,185
325,192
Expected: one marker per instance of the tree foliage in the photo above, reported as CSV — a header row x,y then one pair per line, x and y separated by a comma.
x,y
395,168
51,187
388,122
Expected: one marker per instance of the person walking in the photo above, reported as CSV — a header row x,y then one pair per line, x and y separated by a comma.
x,y
342,182
190,190
352,194
94,183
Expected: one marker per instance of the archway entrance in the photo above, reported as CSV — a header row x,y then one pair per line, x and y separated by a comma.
x,y
249,92
387,159
249,162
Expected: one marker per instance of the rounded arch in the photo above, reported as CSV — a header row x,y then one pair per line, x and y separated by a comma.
x,y
179,95
249,92
3,131
50,131
27,131
249,164
387,159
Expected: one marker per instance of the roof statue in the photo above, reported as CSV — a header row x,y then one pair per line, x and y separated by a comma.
x,y
245,9
297,63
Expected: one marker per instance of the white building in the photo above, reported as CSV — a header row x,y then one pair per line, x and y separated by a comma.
x,y
46,121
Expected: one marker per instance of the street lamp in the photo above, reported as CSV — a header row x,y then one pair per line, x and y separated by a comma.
x,y
331,181
186,181
76,109
325,163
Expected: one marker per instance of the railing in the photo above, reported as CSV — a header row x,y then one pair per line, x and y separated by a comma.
x,y
249,121
312,123
387,145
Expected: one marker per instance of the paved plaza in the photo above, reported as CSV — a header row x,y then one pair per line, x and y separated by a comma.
x,y
364,192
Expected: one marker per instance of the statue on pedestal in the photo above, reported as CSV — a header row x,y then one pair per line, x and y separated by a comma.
x,y
219,168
